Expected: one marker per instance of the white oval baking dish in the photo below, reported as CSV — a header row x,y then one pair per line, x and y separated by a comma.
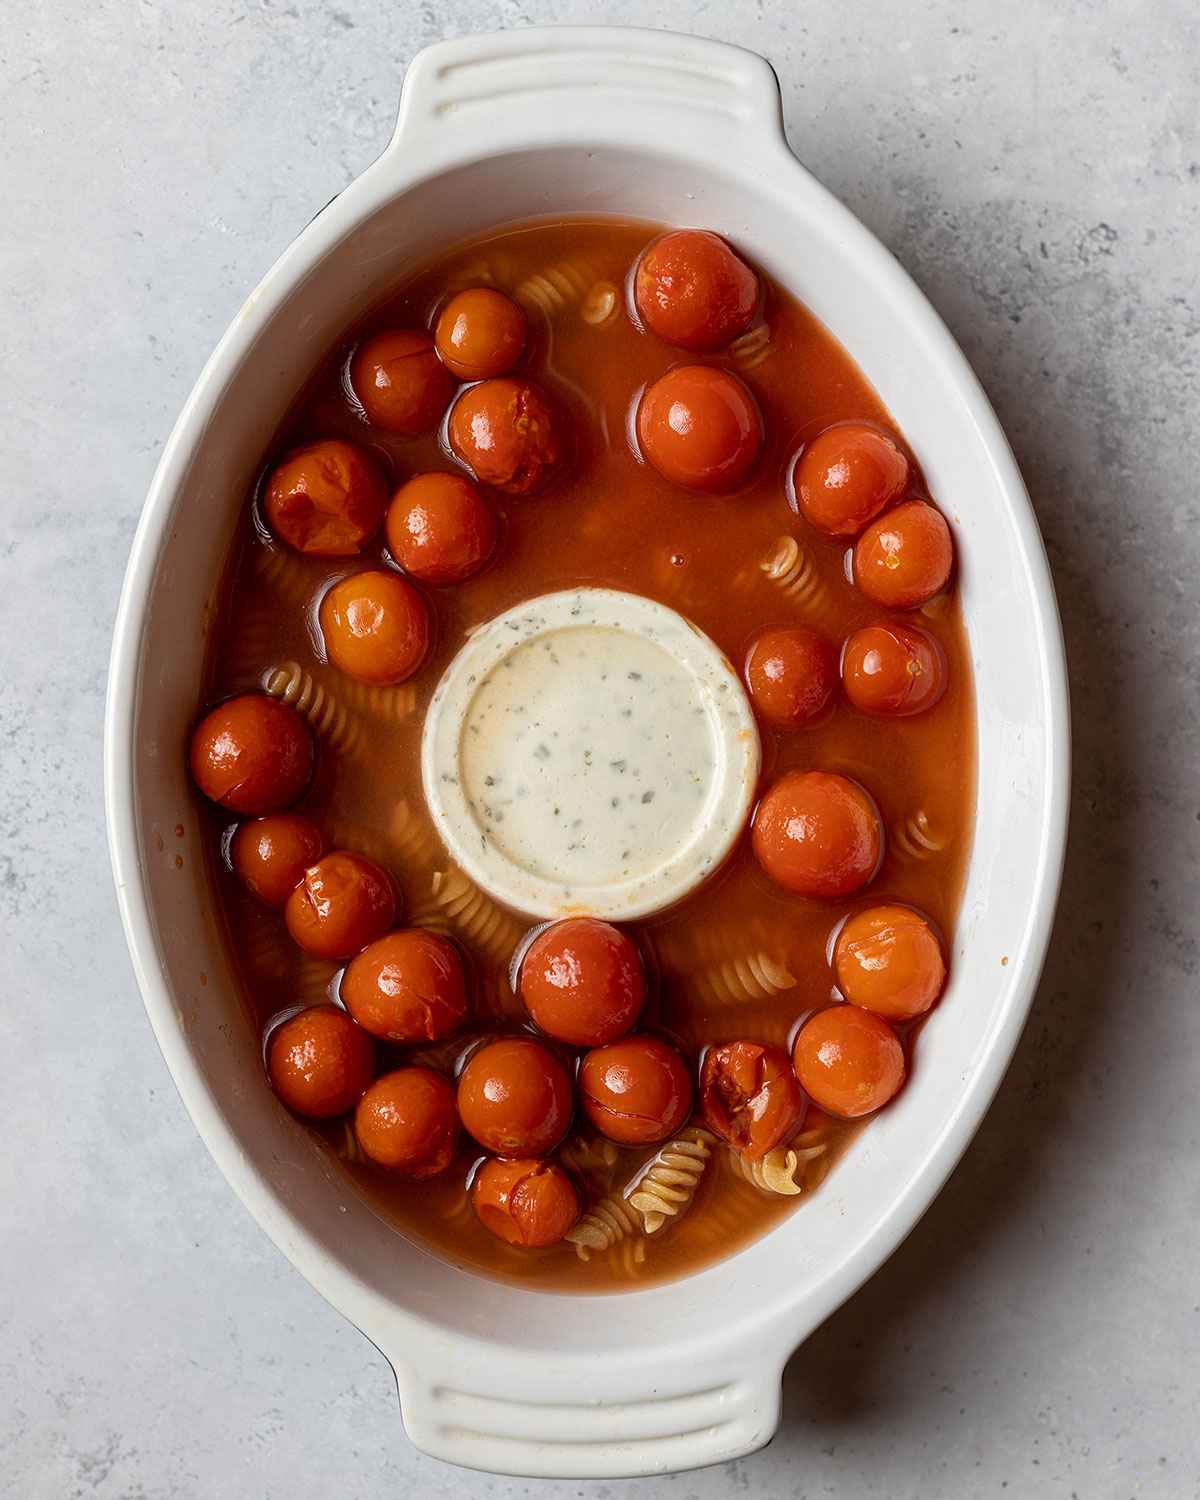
x,y
665,127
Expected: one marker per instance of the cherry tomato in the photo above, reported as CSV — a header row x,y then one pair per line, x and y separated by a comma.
x,y
700,428
888,959
510,434
893,670
904,557
320,1062
525,1202
846,476
818,834
401,384
693,291
327,499
408,986
480,334
849,1061
375,626
514,1097
252,754
792,675
406,1121
440,528
750,1096
343,903
271,854
636,1091
582,981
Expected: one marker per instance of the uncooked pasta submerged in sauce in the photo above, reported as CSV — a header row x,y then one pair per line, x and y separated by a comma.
x,y
589,581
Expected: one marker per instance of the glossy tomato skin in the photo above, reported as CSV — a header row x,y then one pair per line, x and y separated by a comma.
x,y
406,987
846,476
849,1061
375,626
893,670
270,854
818,834
525,1202
693,291
401,384
700,428
480,334
751,1096
792,675
319,1062
510,434
343,902
582,981
904,558
636,1091
406,1121
514,1097
440,528
326,499
252,754
888,959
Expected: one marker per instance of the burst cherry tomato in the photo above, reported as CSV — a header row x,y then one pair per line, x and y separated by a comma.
x,y
818,834
271,854
792,675
700,428
401,384
509,434
514,1097
526,1202
252,754
750,1096
320,1061
327,499
893,670
582,982
343,903
375,626
849,1061
440,528
888,960
846,476
480,334
408,986
407,1121
636,1091
693,291
904,557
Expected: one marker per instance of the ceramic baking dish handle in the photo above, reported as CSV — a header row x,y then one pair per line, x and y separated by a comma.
x,y
536,1417
606,83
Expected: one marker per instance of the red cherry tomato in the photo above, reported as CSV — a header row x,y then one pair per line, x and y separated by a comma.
x,y
375,627
525,1202
817,834
888,959
440,528
700,428
343,903
271,854
327,499
401,384
514,1097
510,434
480,334
846,476
406,1121
636,1091
693,291
750,1096
582,982
252,754
792,675
893,671
849,1061
408,986
904,558
320,1062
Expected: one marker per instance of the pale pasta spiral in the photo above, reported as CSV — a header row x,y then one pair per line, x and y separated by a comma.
x,y
667,1186
754,976
456,901
752,347
558,287
914,838
284,572
600,304
781,1170
791,567
589,1155
607,1223
331,719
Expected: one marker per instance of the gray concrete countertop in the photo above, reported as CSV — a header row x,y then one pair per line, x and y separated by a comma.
x,y
1037,169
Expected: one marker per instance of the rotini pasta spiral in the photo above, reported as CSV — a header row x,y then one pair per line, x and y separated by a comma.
x,y
607,1223
558,287
754,976
667,1186
590,1156
783,1170
331,719
415,842
914,838
791,567
456,900
752,347
600,304
285,573
389,704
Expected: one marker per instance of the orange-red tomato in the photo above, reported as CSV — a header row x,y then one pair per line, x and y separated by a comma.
x,y
343,903
792,674
582,981
406,1121
326,499
904,557
480,333
692,290
252,754
401,384
320,1062
375,626
750,1096
510,434
636,1091
408,986
526,1202
440,528
700,428
849,1061
514,1097
888,959
271,854
846,476
893,670
818,834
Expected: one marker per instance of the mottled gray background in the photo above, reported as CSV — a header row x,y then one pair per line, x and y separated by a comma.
x,y
1037,169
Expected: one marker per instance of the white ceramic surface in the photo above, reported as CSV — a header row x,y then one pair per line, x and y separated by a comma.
x,y
671,128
